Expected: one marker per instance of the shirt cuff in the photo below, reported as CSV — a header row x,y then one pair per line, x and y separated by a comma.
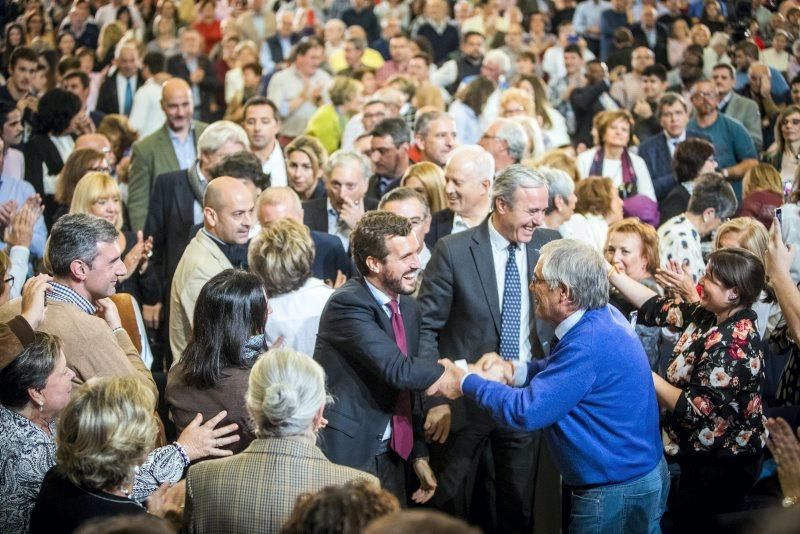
x,y
461,384
520,373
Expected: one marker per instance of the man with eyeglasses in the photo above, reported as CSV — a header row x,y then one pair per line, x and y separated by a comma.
x,y
735,105
506,141
657,151
735,151
374,111
389,154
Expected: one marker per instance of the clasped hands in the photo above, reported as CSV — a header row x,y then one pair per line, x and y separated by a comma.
x,y
490,366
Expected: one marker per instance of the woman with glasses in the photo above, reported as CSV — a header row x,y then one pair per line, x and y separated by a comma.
x,y
692,158
784,154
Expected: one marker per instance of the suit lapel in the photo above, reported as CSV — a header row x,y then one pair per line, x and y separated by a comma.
x,y
481,249
185,201
409,313
165,141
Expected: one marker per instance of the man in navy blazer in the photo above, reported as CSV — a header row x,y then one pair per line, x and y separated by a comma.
x,y
367,343
657,151
275,50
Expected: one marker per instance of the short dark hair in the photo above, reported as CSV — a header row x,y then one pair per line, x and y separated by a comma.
x,y
794,80
526,54
689,158
656,70
669,98
155,62
424,57
370,235
303,46
740,269
712,191
230,309
29,370
261,101
726,66
57,107
75,237
748,48
24,53
6,107
80,75
67,64
395,127
573,49
255,67
400,194
243,165
467,35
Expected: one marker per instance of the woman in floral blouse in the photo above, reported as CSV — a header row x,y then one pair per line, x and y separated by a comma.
x,y
714,426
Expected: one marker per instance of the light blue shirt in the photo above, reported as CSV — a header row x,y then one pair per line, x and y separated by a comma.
x,y
384,300
588,14
185,150
334,229
20,190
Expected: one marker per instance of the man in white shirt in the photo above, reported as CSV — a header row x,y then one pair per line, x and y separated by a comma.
x,y
261,123
108,13
116,93
146,114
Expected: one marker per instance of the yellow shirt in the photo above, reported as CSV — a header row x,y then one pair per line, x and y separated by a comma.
x,y
371,59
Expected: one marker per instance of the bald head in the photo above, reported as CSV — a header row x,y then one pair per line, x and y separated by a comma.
x,y
469,174
178,105
95,141
279,203
228,207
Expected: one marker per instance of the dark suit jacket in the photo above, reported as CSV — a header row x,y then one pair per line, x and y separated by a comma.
x,y
585,103
365,371
274,44
459,300
209,85
170,219
96,117
107,98
316,212
675,203
373,190
662,34
441,225
329,256
655,153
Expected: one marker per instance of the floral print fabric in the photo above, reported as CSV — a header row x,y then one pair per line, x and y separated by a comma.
x,y
678,240
720,369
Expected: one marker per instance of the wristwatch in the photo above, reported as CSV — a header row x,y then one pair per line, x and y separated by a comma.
x,y
725,173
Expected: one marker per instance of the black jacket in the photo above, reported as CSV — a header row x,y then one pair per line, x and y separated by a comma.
x,y
108,99
209,85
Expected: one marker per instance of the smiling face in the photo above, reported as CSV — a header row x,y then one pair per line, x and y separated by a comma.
x,y
466,193
58,387
518,220
397,273
107,207
715,297
625,251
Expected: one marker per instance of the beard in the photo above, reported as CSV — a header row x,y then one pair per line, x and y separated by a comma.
x,y
395,284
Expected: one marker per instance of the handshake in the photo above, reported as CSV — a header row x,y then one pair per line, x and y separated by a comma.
x,y
489,367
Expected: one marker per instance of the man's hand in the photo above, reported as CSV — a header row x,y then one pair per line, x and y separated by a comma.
x,y
642,109
83,124
339,282
492,367
107,310
205,439
33,299
427,481
766,85
151,315
351,211
20,233
7,211
779,257
449,384
437,423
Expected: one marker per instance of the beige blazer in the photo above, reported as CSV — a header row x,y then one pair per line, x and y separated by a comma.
x,y
255,490
201,261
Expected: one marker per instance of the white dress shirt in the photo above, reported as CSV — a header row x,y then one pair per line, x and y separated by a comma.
x,y
275,166
146,113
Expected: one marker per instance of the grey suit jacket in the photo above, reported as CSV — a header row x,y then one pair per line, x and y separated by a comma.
x,y
746,111
150,157
255,490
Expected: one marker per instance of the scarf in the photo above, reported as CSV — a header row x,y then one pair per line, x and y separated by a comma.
x,y
628,186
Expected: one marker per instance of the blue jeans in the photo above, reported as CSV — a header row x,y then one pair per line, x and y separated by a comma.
x,y
629,507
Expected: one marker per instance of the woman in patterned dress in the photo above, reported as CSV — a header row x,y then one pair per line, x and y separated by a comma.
x,y
714,425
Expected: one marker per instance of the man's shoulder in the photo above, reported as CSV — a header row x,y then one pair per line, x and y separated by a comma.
x,y
316,204
325,239
442,216
152,142
652,142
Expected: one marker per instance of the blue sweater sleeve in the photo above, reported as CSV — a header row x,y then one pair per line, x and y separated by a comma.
x,y
551,394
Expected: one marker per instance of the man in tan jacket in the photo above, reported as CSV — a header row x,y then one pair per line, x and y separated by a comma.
x,y
84,258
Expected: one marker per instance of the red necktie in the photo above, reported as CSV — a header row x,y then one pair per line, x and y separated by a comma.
x,y
402,432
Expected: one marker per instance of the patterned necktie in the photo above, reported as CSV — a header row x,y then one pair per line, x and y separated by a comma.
x,y
128,97
402,432
512,304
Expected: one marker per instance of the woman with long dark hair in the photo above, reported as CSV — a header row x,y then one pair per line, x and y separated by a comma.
x,y
228,337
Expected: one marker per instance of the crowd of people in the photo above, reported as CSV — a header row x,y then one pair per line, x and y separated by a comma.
x,y
351,266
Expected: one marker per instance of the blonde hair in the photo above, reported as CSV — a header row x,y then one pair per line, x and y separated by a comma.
x,y
648,236
432,178
281,255
311,147
285,390
110,35
521,97
343,90
762,177
429,96
106,430
603,121
753,235
561,159
91,188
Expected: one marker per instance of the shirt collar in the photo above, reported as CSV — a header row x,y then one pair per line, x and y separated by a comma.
x,y
382,298
62,293
331,209
173,136
680,139
499,243
725,100
567,324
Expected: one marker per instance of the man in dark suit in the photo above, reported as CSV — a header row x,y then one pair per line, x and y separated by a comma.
x,y
367,343
346,184
116,92
198,71
277,48
330,258
589,100
657,151
473,301
469,174
390,140
651,34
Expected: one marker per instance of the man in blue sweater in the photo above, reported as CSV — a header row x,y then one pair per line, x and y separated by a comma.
x,y
593,395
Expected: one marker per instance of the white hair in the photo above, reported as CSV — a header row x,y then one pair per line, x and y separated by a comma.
x,y
481,162
219,133
515,137
559,184
499,58
341,158
516,177
580,268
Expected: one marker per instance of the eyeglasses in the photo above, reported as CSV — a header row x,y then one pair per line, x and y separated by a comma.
x,y
704,94
9,280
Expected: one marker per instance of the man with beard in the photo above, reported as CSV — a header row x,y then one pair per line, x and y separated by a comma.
x,y
389,154
367,344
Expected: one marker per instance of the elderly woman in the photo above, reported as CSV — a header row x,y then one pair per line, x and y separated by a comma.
x,y
281,255
632,248
286,397
427,179
305,158
784,153
714,427
692,158
598,206
34,389
712,202
228,335
762,193
561,199
328,122
611,158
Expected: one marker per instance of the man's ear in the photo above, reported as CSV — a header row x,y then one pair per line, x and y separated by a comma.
x,y
210,216
78,270
374,265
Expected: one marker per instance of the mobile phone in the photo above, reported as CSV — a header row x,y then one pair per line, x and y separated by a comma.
x,y
779,215
787,189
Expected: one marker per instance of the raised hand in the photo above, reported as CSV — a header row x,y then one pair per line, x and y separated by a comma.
x,y
351,212
107,310
676,280
34,305
205,439
20,232
151,315
779,257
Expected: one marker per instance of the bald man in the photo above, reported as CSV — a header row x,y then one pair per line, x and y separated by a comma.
x,y
98,142
169,149
330,258
468,175
228,215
